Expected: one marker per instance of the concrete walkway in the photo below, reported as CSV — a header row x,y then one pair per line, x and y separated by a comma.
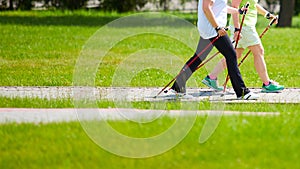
x,y
290,95
15,115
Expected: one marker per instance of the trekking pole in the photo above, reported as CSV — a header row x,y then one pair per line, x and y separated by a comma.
x,y
188,65
202,64
238,37
243,59
268,27
209,59
241,25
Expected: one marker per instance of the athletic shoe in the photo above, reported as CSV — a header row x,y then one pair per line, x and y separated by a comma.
x,y
187,96
170,90
249,96
273,87
173,92
179,94
211,83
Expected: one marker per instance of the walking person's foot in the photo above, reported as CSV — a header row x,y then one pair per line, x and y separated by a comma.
x,y
211,83
183,95
272,87
249,96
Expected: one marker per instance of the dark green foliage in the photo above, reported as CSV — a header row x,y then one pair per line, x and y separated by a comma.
x,y
16,4
122,6
106,5
56,4
66,4
297,7
3,5
24,4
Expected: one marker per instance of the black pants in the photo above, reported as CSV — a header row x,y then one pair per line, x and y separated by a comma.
x,y
224,46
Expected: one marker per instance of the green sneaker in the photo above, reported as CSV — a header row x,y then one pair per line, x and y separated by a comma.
x,y
273,87
211,83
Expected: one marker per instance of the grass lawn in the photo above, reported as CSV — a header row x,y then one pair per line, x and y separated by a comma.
x,y
41,48
240,141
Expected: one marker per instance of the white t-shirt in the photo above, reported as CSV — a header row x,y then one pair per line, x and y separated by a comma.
x,y
219,9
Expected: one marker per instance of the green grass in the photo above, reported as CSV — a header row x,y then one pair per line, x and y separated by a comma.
x,y
242,142
40,48
6,102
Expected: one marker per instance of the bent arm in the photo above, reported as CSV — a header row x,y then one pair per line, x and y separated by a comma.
x,y
207,9
261,10
235,16
232,10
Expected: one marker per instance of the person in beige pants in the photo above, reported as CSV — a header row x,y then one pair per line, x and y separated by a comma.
x,y
249,38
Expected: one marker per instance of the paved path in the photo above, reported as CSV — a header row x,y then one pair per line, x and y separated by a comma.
x,y
290,95
8,115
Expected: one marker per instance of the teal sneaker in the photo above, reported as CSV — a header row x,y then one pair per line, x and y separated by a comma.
x,y
211,83
273,87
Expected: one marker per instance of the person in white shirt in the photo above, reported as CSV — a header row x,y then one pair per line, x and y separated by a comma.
x,y
212,19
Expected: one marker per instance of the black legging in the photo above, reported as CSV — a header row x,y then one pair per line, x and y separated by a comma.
x,y
224,46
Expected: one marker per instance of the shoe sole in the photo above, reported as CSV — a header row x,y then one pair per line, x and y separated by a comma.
x,y
248,98
251,98
176,95
271,91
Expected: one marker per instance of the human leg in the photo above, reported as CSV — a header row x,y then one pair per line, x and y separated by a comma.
x,y
211,79
221,65
261,68
224,45
191,65
259,62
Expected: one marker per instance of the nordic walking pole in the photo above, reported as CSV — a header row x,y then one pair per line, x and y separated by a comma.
x,y
239,34
202,64
260,36
209,59
241,26
188,65
268,27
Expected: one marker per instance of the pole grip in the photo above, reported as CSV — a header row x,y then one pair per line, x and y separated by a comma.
x,y
273,20
244,12
247,5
